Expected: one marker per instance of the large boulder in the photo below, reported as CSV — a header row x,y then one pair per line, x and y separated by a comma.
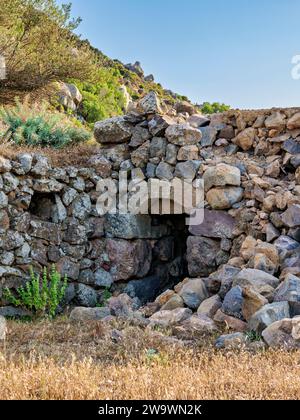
x,y
113,130
204,255
276,121
261,281
216,224
128,259
284,333
194,293
221,175
224,198
269,314
150,104
183,135
289,291
130,226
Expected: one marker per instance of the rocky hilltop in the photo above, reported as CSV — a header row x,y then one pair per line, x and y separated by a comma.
x,y
238,270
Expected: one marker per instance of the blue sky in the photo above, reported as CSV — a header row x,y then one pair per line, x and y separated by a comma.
x,y
233,51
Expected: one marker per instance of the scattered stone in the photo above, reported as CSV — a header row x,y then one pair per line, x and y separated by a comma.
x,y
245,139
195,327
173,303
259,280
204,255
86,296
231,341
283,334
15,313
89,314
269,314
276,121
170,318
289,291
291,217
230,322
233,303
210,306
252,302
188,153
198,120
194,293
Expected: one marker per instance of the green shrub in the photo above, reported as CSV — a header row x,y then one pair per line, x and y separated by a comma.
x,y
208,108
30,126
102,99
42,297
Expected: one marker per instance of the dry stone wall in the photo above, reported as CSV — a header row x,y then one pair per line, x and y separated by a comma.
x,y
240,267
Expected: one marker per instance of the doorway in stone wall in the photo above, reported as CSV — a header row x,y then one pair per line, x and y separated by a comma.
x,y
169,263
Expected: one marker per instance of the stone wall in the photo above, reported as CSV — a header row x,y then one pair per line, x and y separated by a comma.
x,y
249,164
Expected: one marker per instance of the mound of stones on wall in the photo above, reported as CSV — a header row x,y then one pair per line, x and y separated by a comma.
x,y
238,271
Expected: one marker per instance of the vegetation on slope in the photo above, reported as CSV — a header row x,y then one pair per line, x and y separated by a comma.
x,y
40,48
34,125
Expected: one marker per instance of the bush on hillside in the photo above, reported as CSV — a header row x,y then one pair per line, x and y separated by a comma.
x,y
102,99
215,107
35,126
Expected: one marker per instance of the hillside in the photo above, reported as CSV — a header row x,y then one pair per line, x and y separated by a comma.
x,y
49,66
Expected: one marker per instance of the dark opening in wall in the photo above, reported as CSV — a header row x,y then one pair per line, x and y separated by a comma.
x,y
169,265
42,205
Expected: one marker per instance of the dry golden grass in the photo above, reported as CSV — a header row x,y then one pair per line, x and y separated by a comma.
x,y
64,361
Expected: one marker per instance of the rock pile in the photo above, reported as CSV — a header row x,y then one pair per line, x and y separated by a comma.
x,y
243,261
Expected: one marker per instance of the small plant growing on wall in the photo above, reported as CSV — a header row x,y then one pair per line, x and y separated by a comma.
x,y
41,296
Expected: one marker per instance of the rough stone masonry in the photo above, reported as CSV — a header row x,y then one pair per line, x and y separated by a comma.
x,y
240,268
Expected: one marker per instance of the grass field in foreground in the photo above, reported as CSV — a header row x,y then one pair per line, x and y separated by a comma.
x,y
59,360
